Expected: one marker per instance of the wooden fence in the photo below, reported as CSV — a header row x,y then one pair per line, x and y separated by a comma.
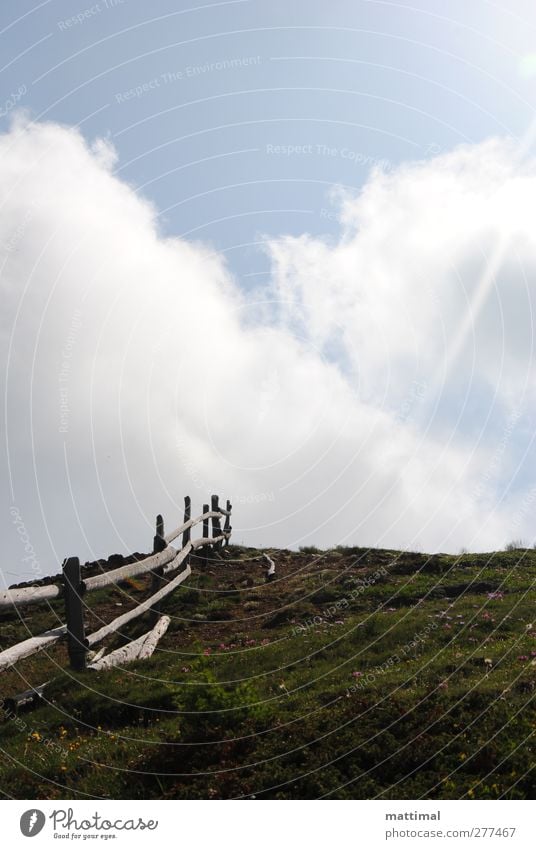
x,y
163,564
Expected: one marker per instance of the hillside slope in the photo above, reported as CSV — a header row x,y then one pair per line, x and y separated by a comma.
x,y
354,674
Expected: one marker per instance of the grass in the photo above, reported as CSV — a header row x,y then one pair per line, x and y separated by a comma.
x,y
355,674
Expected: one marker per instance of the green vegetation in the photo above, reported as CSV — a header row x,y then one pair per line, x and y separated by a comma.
x,y
357,673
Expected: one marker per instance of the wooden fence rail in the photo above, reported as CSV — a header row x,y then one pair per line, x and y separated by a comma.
x,y
29,595
162,564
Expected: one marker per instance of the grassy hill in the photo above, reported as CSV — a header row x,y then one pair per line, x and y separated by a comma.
x,y
354,674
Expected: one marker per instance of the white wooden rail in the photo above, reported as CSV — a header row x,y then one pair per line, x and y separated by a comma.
x,y
139,649
118,623
29,595
31,646
132,570
270,572
164,562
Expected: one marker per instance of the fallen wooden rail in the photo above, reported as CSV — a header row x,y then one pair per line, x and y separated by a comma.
x,y
270,572
139,649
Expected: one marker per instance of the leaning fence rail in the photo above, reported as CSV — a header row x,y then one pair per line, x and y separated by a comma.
x,y
28,647
139,649
163,563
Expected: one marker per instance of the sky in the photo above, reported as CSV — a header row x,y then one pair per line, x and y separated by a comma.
x,y
280,251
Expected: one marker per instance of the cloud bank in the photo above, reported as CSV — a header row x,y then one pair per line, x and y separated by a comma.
x,y
377,391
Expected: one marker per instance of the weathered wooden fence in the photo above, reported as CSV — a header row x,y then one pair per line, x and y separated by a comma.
x,y
163,564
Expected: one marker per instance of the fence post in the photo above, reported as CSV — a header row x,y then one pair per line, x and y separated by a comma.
x,y
159,544
187,516
77,644
227,526
206,509
216,525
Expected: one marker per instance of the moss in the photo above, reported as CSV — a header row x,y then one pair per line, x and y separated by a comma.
x,y
419,687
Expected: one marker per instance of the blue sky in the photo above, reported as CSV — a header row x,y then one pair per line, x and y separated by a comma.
x,y
349,83
332,198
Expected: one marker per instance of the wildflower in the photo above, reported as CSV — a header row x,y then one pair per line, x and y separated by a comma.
x,y
523,657
207,652
185,669
357,674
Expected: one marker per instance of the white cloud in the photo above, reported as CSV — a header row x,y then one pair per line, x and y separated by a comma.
x,y
417,242
138,372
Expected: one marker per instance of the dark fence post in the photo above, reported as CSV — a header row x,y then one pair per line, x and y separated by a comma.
x,y
227,526
159,544
216,525
77,644
206,509
187,516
